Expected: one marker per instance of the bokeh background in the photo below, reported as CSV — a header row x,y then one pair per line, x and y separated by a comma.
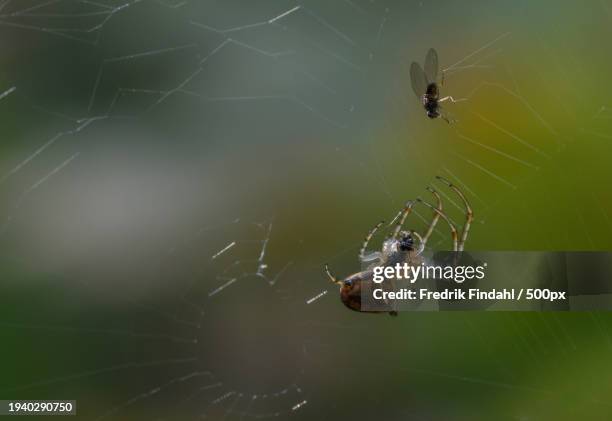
x,y
174,174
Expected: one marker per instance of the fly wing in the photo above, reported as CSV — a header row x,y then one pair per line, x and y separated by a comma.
x,y
431,66
418,79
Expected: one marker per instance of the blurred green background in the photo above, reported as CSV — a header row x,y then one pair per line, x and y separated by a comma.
x,y
144,137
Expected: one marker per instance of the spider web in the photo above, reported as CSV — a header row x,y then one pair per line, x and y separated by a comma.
x,y
141,125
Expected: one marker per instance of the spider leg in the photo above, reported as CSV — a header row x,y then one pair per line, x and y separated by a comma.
x,y
448,221
405,213
421,243
469,215
435,219
332,277
367,240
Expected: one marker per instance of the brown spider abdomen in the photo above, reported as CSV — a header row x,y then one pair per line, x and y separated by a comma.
x,y
351,296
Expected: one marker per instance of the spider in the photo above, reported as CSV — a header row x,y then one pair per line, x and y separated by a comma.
x,y
400,247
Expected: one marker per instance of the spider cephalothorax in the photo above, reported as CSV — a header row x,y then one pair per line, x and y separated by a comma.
x,y
400,247
406,242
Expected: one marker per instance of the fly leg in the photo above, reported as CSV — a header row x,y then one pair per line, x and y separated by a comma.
x,y
453,100
446,116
